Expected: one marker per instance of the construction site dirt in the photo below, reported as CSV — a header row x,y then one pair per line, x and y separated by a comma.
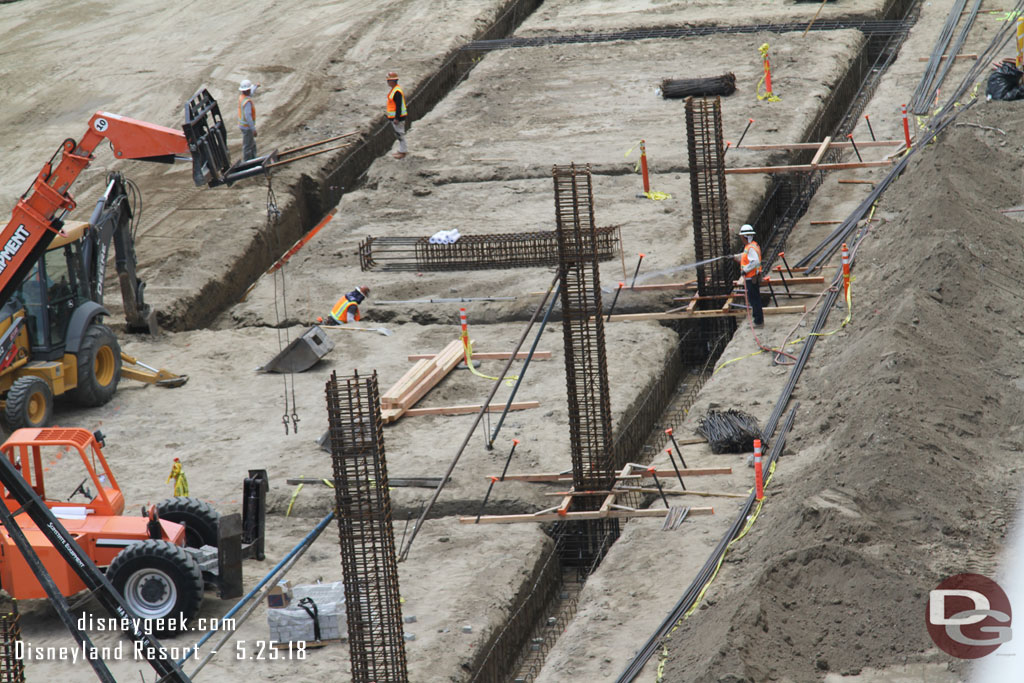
x,y
900,470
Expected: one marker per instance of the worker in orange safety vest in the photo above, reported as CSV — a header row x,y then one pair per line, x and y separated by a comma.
x,y
346,310
397,112
750,276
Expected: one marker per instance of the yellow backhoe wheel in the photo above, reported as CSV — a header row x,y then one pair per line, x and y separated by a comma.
x,y
99,367
29,403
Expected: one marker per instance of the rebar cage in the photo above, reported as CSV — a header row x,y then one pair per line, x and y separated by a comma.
x,y
475,252
365,534
707,191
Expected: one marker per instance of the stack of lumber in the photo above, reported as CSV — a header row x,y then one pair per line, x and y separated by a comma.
x,y
420,379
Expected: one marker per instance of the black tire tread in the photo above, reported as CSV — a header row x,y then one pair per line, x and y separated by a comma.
x,y
151,552
88,393
195,514
14,414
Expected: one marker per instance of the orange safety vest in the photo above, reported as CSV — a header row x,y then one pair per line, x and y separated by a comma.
x,y
243,99
391,102
745,261
340,310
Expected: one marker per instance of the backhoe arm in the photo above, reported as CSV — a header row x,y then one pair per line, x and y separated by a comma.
x,y
37,217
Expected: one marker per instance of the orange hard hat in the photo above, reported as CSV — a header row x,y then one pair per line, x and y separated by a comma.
x,y
392,76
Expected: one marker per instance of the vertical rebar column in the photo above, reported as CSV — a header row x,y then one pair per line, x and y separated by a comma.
x,y
376,638
586,367
12,669
707,192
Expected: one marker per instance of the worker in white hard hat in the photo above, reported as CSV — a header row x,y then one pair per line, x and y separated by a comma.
x,y
247,118
750,273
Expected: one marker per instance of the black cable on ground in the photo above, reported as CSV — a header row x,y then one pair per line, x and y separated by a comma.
x,y
704,575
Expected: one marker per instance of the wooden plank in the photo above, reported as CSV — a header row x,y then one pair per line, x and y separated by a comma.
x,y
728,303
470,409
825,222
852,181
821,151
681,315
944,57
491,355
807,167
637,489
567,476
797,280
815,145
394,393
571,516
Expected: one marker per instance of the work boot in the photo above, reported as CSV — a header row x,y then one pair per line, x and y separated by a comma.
x,y
399,155
759,326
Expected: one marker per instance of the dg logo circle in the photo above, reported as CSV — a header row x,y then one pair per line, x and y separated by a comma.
x,y
968,616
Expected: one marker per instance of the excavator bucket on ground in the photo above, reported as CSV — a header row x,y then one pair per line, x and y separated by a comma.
x,y
133,368
302,354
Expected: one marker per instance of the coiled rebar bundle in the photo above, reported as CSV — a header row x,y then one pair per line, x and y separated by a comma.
x,y
685,87
729,431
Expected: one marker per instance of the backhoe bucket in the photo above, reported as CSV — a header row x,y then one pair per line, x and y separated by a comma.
x,y
302,353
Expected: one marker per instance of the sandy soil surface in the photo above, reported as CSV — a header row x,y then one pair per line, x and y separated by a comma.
x,y
327,83
836,528
591,16
473,171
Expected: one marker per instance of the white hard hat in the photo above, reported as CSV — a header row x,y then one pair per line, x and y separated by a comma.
x,y
747,229
245,85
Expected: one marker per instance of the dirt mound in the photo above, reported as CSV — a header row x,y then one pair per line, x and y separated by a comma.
x,y
902,468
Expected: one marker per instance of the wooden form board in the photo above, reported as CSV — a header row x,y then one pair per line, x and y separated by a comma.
x,y
470,409
817,145
496,355
567,476
714,313
421,378
609,509
555,516
807,167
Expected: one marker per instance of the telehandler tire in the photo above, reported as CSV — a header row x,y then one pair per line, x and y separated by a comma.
x,y
99,367
201,521
158,580
29,403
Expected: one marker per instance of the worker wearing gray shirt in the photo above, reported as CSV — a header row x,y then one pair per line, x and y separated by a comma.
x,y
247,119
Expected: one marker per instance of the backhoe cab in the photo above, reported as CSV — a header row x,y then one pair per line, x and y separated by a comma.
x,y
52,340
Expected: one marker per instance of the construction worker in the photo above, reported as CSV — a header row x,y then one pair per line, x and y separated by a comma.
x,y
397,113
750,267
346,310
247,118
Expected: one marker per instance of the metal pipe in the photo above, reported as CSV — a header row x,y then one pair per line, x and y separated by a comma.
x,y
469,433
305,156
316,144
526,364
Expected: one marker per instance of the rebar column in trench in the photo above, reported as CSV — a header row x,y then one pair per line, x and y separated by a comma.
x,y
365,534
707,192
12,668
586,367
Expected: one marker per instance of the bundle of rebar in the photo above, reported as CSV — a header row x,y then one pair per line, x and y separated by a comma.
x,y
924,94
729,431
700,87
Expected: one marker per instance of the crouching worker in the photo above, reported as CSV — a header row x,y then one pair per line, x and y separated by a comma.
x,y
346,310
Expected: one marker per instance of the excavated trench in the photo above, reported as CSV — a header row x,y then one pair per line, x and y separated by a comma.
x,y
548,600
313,196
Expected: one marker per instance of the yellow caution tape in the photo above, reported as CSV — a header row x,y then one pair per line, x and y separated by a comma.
x,y
768,96
468,346
295,494
657,196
